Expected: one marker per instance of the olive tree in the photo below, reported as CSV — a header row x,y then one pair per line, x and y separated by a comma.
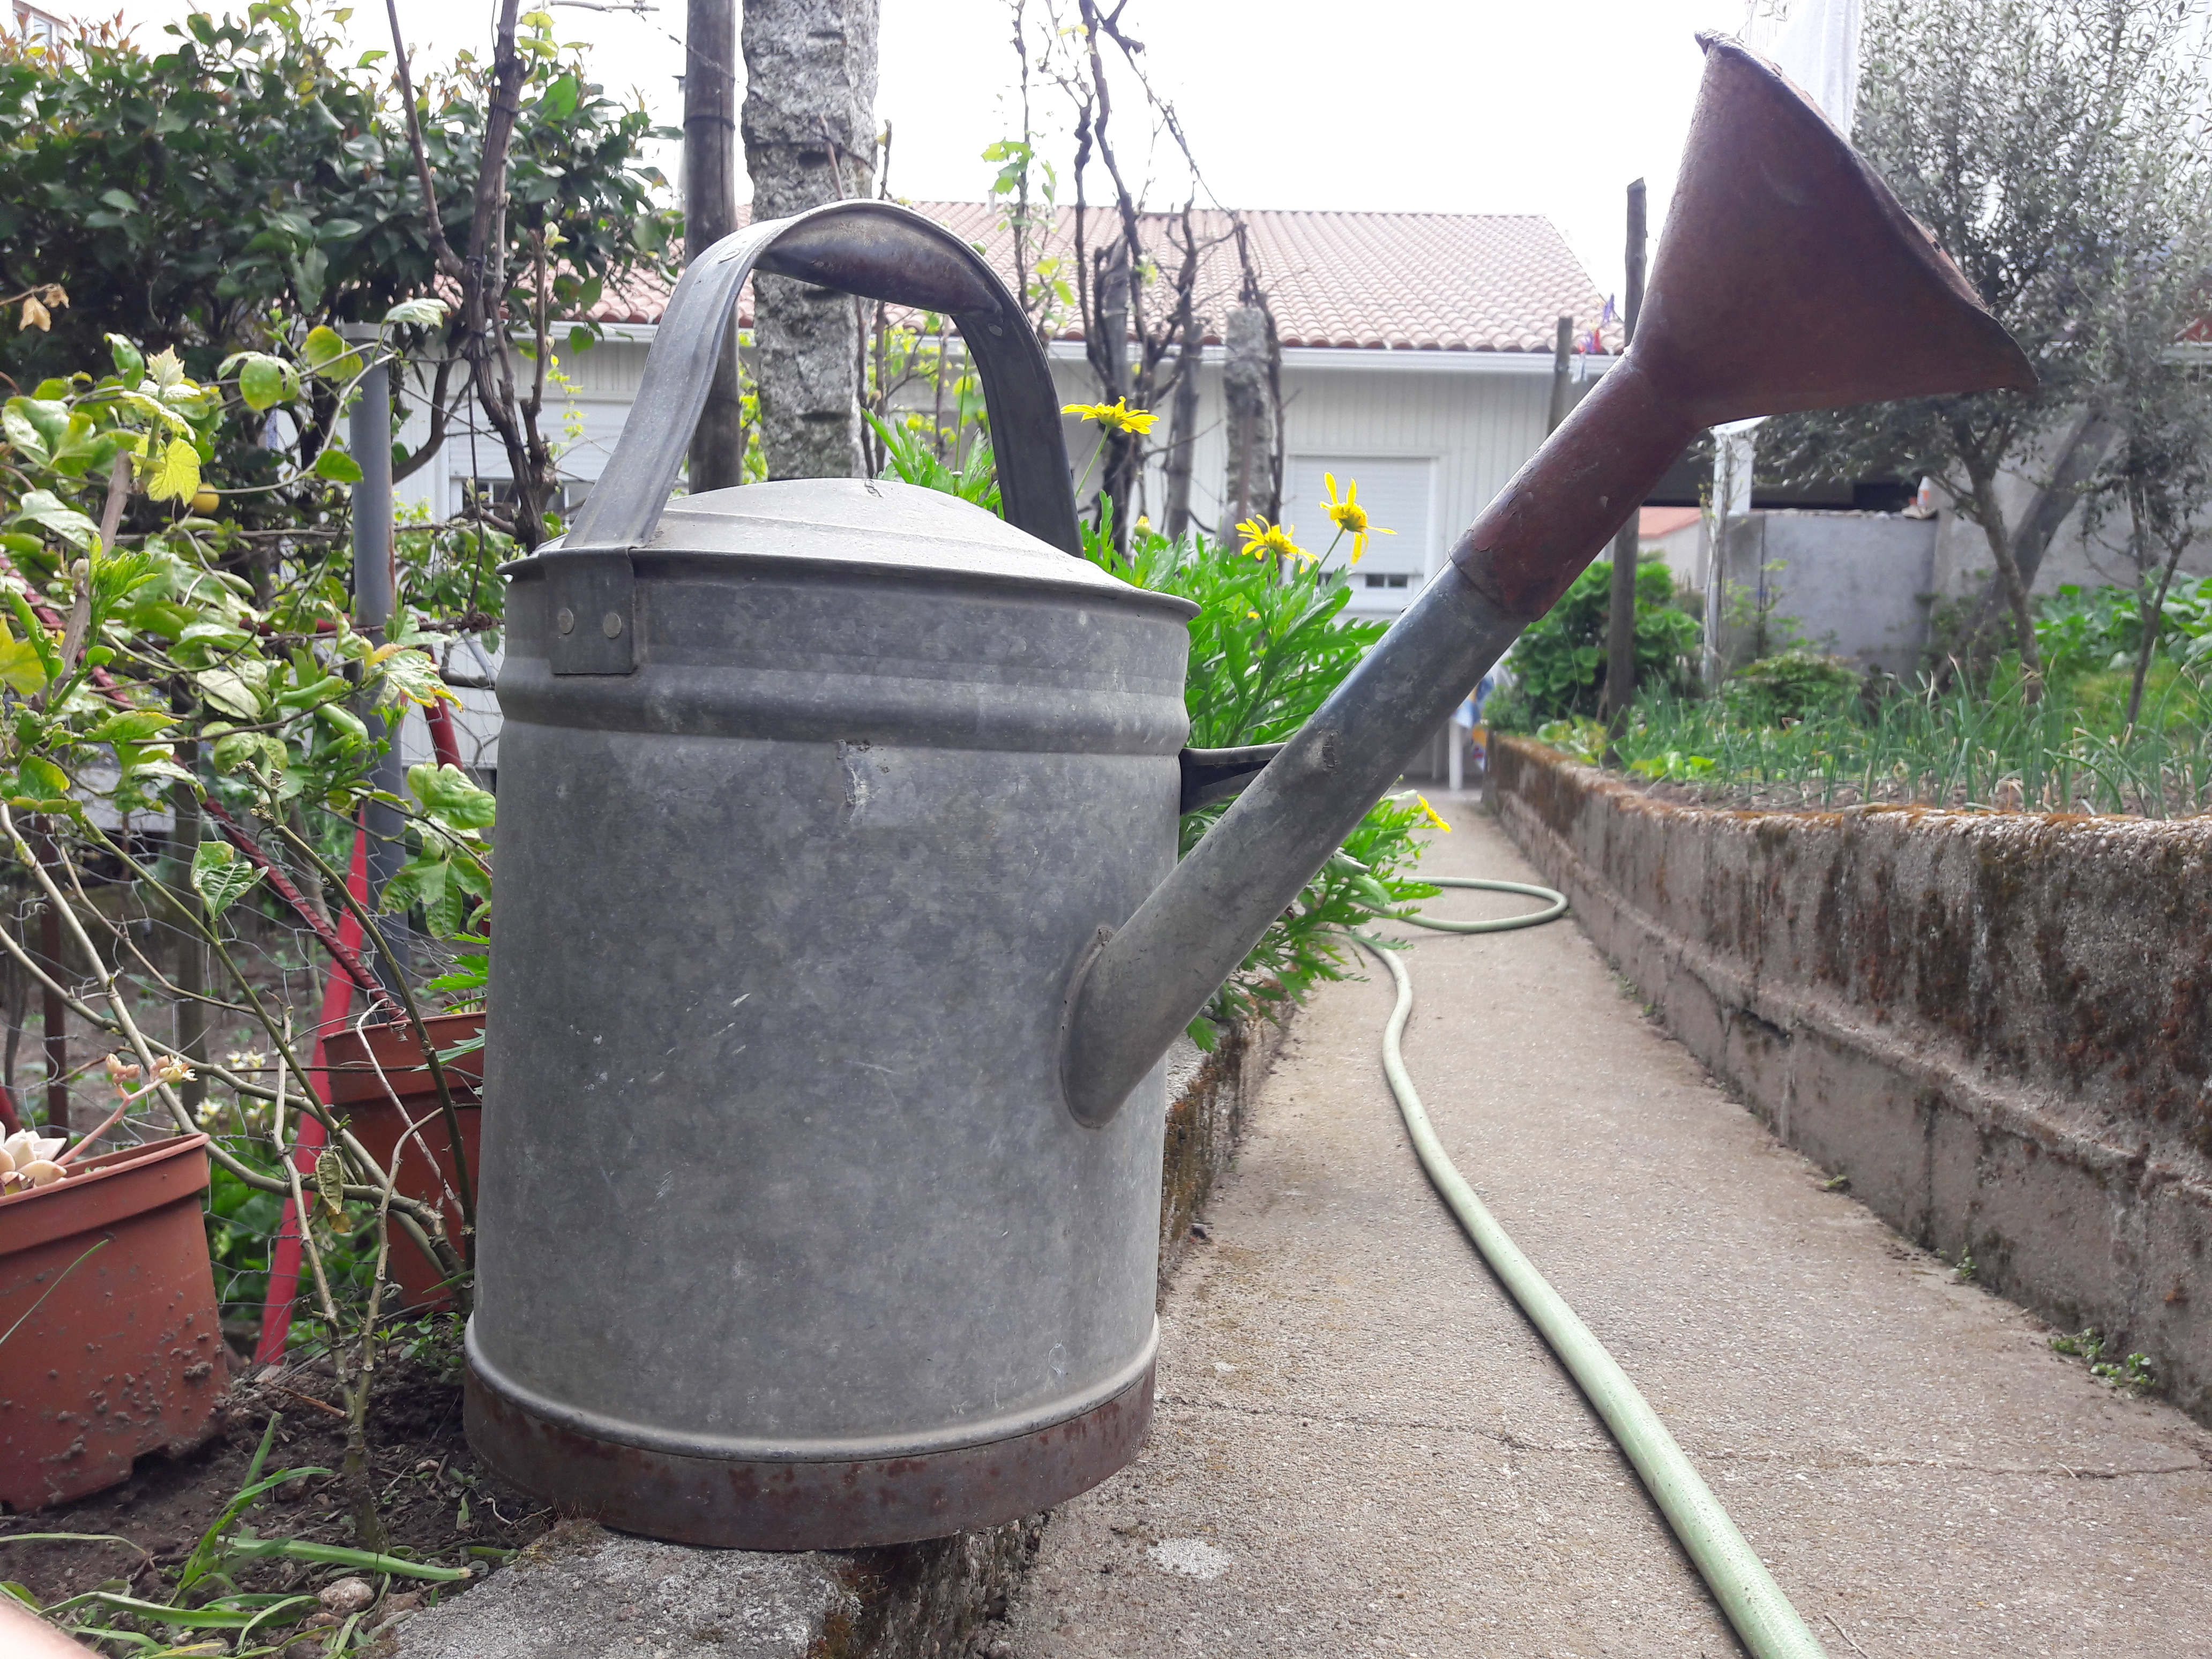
x,y
2028,135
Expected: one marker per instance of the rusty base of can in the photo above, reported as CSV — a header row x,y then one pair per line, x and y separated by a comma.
x,y
787,1506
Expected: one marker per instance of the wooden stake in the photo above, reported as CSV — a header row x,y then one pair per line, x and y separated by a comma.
x,y
710,213
1620,614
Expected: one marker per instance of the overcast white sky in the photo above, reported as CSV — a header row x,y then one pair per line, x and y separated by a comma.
x,y
1444,105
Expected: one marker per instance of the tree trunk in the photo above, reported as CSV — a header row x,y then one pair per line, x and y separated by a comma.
x,y
2008,578
1182,428
1249,488
710,213
2150,602
2083,447
1109,361
809,126
1182,420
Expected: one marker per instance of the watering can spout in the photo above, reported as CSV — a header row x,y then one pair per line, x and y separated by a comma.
x,y
1787,278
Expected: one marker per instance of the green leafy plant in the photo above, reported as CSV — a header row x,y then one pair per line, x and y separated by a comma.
x,y
2132,1374
136,675
1791,685
2066,746
915,454
1580,738
240,183
1559,663
1268,647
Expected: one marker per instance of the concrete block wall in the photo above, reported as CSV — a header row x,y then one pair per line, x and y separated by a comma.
x,y
1857,584
1998,1027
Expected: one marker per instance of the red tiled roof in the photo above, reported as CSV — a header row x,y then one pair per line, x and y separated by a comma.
x,y
1420,281
1665,520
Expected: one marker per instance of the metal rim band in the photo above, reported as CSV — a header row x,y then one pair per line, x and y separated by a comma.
x,y
788,1505
724,1448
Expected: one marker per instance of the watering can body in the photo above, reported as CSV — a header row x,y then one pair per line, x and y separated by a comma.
x,y
787,1240
841,928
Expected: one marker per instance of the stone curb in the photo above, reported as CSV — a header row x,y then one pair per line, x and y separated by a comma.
x,y
1870,982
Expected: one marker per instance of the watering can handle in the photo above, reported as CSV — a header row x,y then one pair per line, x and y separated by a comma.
x,y
880,252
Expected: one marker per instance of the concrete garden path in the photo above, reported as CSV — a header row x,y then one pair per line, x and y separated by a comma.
x,y
1361,1448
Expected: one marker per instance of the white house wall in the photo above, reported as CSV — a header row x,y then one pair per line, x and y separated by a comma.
x,y
1464,422
1473,417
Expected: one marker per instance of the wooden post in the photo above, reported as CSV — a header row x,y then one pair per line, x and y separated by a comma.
x,y
1249,488
369,431
191,949
1621,614
1563,348
710,213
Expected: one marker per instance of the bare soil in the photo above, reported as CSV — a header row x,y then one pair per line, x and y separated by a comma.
x,y
433,1499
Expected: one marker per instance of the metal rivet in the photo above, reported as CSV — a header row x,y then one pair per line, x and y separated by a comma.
x,y
566,621
611,624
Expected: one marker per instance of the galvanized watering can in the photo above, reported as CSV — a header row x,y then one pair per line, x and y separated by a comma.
x,y
841,929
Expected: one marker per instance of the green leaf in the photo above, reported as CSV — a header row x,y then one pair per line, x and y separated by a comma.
x,y
22,667
221,877
325,353
135,725
165,369
44,508
21,434
337,466
337,1555
411,675
422,314
130,361
266,381
161,1613
175,476
559,99
41,777
228,691
239,750
446,792
49,417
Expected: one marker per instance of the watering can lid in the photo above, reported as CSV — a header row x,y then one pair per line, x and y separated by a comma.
x,y
872,527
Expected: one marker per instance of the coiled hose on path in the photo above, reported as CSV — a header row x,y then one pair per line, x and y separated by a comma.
x,y
1768,1625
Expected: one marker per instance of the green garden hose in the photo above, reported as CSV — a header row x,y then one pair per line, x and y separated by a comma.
x,y
1754,1603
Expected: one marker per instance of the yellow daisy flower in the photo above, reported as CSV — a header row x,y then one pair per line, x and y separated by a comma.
x,y
1349,517
1262,539
1433,815
1116,417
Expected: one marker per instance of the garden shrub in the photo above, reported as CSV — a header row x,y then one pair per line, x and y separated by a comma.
x,y
1267,647
1558,664
1791,685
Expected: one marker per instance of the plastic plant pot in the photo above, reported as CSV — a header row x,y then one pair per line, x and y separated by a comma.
x,y
379,1108
118,1352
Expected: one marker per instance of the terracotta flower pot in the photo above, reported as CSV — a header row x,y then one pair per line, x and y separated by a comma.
x,y
366,1102
123,1355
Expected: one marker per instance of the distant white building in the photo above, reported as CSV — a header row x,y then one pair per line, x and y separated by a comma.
x,y
1418,354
